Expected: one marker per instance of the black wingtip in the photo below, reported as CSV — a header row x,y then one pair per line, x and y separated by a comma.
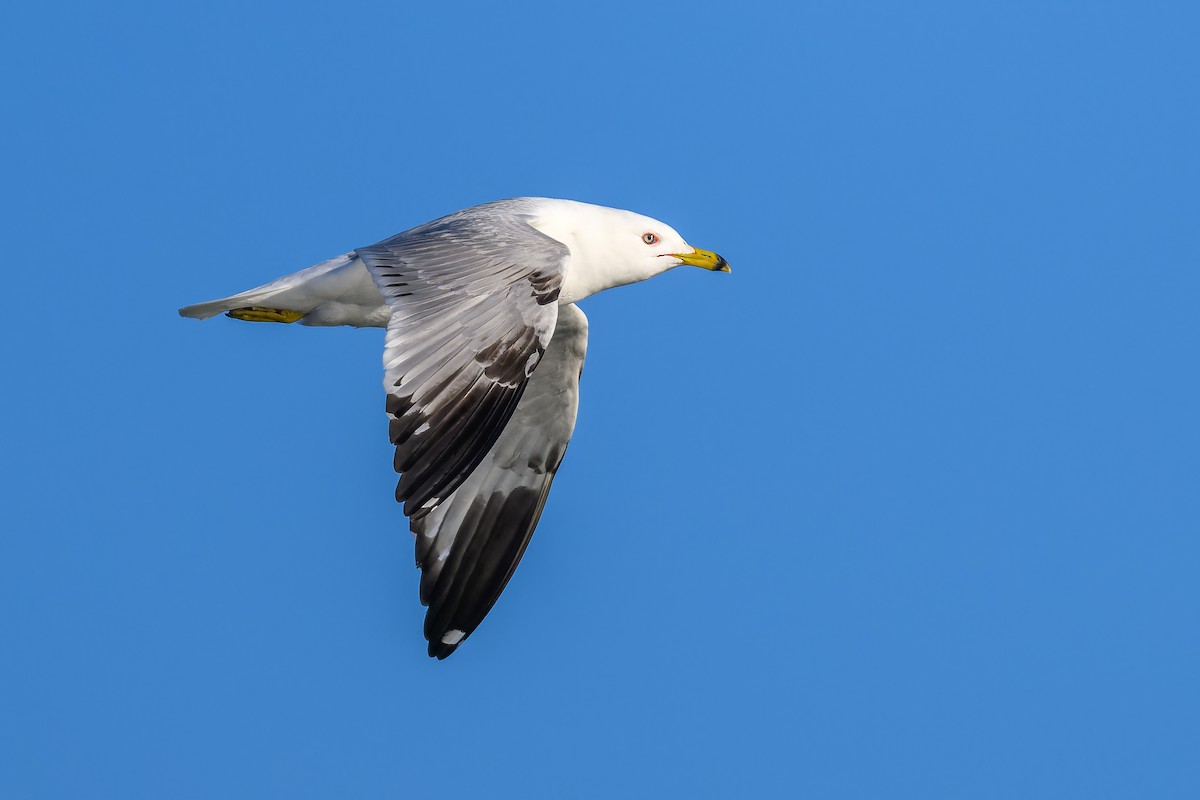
x,y
443,643
441,651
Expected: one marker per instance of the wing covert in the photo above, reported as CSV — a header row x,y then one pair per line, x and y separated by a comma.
x,y
473,310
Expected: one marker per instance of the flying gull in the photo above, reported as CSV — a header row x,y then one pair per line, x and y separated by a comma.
x,y
482,359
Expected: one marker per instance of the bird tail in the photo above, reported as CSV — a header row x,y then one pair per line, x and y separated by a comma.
x,y
284,300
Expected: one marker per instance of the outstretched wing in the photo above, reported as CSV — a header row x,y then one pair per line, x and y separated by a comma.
x,y
473,300
469,545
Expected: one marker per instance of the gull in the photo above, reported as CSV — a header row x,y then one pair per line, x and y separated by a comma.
x,y
482,359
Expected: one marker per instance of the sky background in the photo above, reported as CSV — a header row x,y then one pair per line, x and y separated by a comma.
x,y
906,506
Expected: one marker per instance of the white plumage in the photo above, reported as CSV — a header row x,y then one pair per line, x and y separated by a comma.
x,y
482,361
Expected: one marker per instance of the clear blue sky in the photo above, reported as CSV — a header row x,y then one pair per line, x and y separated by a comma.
x,y
906,506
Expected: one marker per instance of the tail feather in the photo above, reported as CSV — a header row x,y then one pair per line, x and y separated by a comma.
x,y
300,292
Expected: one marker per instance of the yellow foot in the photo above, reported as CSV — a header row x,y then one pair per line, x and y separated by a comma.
x,y
261,314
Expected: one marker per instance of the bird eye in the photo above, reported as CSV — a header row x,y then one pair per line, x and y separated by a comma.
x,y
649,238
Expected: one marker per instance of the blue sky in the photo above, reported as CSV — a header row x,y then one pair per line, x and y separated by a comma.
x,y
906,506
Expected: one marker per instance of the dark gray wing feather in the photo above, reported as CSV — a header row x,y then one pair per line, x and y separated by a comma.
x,y
473,309
469,545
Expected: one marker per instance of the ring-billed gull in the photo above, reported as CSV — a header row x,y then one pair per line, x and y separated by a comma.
x,y
482,360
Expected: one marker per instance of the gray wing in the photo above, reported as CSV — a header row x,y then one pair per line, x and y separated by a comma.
x,y
473,307
468,547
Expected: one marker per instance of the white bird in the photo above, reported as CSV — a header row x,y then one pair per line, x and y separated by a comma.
x,y
482,360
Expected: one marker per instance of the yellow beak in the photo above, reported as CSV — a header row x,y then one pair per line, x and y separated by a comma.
x,y
704,258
